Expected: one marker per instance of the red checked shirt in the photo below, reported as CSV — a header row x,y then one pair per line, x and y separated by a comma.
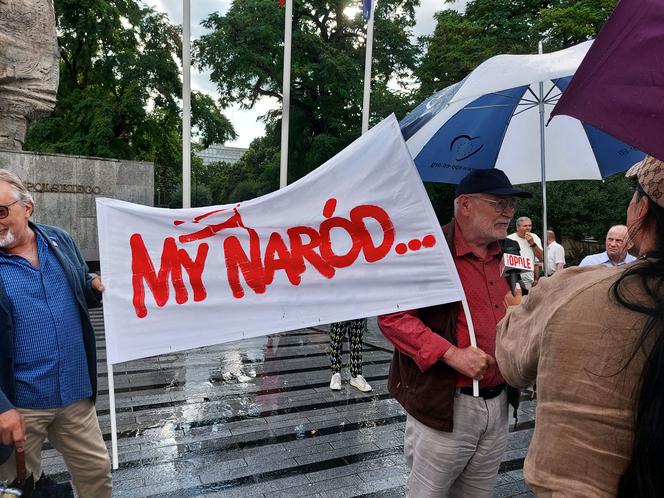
x,y
485,290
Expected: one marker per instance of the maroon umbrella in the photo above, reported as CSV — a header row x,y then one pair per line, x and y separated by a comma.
x,y
619,86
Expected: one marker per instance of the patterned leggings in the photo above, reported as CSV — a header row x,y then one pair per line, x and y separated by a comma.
x,y
354,329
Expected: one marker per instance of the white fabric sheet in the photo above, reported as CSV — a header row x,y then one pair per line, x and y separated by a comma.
x,y
214,303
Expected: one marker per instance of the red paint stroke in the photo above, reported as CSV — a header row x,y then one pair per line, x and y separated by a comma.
x,y
172,262
258,265
414,245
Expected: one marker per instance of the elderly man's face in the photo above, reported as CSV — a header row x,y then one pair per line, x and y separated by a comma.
x,y
491,215
16,221
616,242
523,228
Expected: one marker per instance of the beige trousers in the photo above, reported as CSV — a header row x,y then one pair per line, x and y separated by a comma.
x,y
463,463
74,431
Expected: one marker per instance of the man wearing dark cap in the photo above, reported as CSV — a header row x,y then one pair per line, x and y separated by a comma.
x,y
454,441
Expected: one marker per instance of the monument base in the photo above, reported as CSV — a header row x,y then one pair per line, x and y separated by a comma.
x,y
65,187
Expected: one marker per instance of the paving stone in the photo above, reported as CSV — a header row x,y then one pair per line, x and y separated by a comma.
x,y
364,488
510,489
234,420
335,453
313,488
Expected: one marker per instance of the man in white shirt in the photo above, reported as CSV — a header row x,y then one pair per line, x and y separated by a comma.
x,y
555,254
531,247
616,253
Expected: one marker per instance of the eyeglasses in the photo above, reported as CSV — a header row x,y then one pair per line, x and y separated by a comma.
x,y
501,204
4,210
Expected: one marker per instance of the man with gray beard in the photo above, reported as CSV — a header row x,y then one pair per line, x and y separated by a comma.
x,y
48,366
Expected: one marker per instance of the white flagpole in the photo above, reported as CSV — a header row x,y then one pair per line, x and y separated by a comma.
x,y
114,424
186,104
366,101
285,112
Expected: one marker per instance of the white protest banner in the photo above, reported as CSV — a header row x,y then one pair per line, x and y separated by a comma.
x,y
356,237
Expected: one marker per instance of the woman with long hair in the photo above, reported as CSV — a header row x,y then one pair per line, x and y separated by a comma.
x,y
593,340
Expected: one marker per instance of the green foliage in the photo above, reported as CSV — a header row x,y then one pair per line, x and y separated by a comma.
x,y
120,88
579,209
244,52
460,42
571,22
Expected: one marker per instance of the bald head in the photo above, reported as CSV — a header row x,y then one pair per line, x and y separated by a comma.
x,y
617,243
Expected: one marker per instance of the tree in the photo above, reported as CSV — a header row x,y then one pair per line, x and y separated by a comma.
x,y
572,22
120,88
460,42
244,52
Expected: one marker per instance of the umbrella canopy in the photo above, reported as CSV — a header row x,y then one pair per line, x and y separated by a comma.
x,y
492,119
619,87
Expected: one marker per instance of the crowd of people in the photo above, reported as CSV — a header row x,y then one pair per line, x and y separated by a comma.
x,y
590,337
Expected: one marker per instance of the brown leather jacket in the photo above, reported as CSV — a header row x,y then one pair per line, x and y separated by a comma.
x,y
429,396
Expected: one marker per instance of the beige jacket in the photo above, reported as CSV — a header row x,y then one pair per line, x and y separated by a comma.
x,y
573,340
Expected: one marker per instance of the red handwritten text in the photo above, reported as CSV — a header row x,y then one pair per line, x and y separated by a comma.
x,y
257,264
172,262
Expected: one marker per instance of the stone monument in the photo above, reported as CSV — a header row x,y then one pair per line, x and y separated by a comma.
x,y
64,187
29,67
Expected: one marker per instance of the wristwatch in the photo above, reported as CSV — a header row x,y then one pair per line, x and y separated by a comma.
x,y
533,244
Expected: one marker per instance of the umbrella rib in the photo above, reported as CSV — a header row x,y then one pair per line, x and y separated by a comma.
x,y
553,99
528,103
533,94
503,95
487,106
549,92
524,110
511,97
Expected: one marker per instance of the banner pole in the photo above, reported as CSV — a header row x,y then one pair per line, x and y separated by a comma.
x,y
473,340
114,425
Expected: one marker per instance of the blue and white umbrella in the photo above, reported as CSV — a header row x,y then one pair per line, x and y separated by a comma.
x,y
495,118
492,119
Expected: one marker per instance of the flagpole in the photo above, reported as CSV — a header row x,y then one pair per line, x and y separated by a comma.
x,y
366,101
186,104
285,102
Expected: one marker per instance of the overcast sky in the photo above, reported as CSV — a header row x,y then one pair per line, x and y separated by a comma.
x,y
246,123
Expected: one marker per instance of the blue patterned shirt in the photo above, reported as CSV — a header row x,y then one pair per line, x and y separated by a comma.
x,y
50,364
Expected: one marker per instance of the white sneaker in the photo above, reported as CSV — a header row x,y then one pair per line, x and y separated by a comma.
x,y
360,383
335,383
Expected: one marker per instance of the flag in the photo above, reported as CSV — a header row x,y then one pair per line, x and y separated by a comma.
x,y
366,9
356,237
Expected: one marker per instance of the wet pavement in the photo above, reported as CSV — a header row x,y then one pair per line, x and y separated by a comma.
x,y
257,418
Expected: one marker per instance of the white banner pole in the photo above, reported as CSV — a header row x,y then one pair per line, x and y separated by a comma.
x,y
114,424
186,104
473,340
285,112
366,101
